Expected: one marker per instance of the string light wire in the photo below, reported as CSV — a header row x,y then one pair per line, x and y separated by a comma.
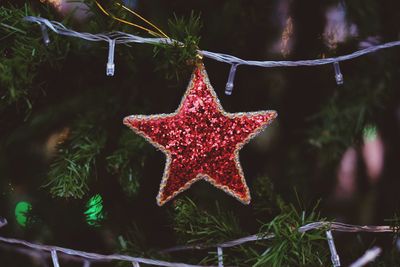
x,y
328,226
125,38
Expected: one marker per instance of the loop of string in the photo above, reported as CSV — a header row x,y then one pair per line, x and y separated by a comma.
x,y
158,32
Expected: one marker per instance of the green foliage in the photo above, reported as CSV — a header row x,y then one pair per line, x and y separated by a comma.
x,y
76,161
195,225
22,54
264,197
176,60
340,121
289,247
127,161
339,126
134,243
18,68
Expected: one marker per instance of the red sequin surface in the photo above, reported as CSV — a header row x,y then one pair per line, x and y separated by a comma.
x,y
201,140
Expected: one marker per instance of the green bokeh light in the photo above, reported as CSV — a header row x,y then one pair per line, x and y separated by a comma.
x,y
21,212
370,133
94,210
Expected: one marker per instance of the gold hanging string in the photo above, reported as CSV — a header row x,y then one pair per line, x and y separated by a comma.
x,y
145,20
157,34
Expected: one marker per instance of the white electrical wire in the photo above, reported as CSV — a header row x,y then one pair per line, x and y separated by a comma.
x,y
124,38
91,256
369,256
334,255
87,256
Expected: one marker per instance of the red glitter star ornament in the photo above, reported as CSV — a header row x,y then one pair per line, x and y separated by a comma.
x,y
201,140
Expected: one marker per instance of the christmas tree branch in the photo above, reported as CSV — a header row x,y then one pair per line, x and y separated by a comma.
x,y
22,56
194,225
76,161
127,161
178,55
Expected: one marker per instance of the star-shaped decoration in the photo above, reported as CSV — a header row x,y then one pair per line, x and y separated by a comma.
x,y
201,140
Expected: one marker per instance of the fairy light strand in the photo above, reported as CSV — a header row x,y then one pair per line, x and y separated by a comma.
x,y
328,226
92,256
125,38
54,258
369,256
332,226
334,255
220,254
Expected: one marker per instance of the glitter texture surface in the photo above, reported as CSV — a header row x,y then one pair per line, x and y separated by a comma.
x,y
201,140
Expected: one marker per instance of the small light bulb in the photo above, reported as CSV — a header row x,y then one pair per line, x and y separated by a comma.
x,y
110,64
338,73
231,78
